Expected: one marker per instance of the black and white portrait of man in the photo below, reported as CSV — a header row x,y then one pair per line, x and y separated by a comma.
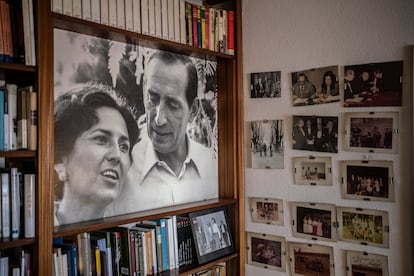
x,y
135,128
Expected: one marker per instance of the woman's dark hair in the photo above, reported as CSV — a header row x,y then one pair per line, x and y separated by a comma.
x,y
333,78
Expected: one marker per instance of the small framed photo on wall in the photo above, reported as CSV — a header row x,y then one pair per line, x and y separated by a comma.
x,y
266,210
371,132
265,85
367,180
311,259
313,170
363,263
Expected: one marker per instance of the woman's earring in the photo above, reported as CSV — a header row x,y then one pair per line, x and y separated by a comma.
x,y
63,176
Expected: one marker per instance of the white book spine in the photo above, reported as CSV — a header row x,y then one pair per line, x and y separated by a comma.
x,y
112,13
57,6
29,205
211,26
151,17
175,233
164,19
26,32
170,235
120,14
183,37
12,102
157,14
15,203
171,20
77,8
16,271
144,17
96,11
105,12
5,205
136,7
4,263
32,34
6,131
67,7
177,35
86,10
129,16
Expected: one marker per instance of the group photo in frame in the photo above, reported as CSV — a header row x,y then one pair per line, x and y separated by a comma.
x,y
363,263
315,133
265,85
313,170
265,146
367,180
313,220
371,132
311,259
315,86
266,251
373,84
211,233
266,210
363,226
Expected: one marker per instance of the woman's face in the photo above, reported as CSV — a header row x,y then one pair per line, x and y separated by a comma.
x,y
100,158
328,80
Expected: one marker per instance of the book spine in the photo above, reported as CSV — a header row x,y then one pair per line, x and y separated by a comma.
x,y
32,121
171,20
32,34
2,39
29,205
199,31
86,10
183,36
57,6
164,19
151,17
104,12
6,124
189,24
203,26
85,253
8,32
77,8
109,258
177,35
12,108
211,28
67,7
22,117
158,18
136,6
170,239
144,17
164,244
5,204
120,14
2,120
129,16
132,258
96,11
230,32
15,203
207,27
195,27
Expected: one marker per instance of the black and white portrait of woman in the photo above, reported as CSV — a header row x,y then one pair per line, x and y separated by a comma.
x,y
135,128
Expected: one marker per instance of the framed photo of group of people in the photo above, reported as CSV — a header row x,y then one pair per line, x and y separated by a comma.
x,y
313,170
266,210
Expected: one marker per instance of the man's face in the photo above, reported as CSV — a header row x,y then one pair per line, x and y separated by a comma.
x,y
301,79
166,106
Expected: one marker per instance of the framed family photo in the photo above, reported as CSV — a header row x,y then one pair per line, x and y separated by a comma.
x,y
371,132
266,210
363,226
211,233
363,263
314,221
367,180
313,170
267,251
265,85
311,259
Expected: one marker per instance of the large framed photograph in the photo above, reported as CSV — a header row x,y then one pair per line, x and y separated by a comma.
x,y
313,170
363,263
266,210
371,132
363,226
265,144
315,86
211,233
367,180
313,220
373,84
265,85
311,259
267,251
315,133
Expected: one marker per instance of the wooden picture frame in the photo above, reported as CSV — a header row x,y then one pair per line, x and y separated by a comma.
x,y
371,132
266,210
363,263
313,170
266,251
311,259
367,180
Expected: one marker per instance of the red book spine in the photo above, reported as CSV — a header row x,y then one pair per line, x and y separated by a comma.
x,y
230,32
195,31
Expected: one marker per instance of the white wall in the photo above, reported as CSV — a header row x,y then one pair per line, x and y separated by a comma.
x,y
299,34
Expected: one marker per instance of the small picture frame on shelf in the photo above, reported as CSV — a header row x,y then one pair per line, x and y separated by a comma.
x,y
314,221
266,251
371,132
367,180
266,210
313,170
265,84
363,226
363,263
311,259
211,233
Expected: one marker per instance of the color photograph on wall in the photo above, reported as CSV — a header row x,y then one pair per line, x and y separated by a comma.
x,y
311,259
265,85
135,128
363,263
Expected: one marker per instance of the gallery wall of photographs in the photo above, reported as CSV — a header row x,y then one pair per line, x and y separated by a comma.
x,y
340,138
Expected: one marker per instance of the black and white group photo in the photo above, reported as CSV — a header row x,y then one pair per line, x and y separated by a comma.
x,y
265,85
312,170
266,251
311,259
371,132
316,222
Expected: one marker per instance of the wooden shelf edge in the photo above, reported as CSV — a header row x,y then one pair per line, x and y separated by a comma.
x,y
205,266
5,244
18,153
17,67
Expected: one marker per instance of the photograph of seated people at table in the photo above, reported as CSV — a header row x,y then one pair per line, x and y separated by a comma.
x,y
374,84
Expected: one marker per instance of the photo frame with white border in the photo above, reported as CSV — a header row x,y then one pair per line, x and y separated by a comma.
x,y
311,259
363,263
367,180
313,170
363,226
266,251
371,132
315,221
266,210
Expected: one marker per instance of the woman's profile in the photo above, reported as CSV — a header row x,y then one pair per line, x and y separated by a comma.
x,y
329,86
93,141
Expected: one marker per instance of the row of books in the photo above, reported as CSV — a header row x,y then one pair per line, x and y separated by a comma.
x,y
144,248
175,20
17,38
16,262
17,204
18,117
216,270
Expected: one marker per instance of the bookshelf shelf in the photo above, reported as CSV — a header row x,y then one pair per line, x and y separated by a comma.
x,y
17,67
18,154
9,243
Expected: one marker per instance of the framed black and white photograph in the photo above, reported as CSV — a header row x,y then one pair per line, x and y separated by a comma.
x,y
313,220
315,133
363,263
266,210
315,86
265,85
267,251
211,233
313,170
311,259
373,84
363,226
368,180
114,124
265,144
371,132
